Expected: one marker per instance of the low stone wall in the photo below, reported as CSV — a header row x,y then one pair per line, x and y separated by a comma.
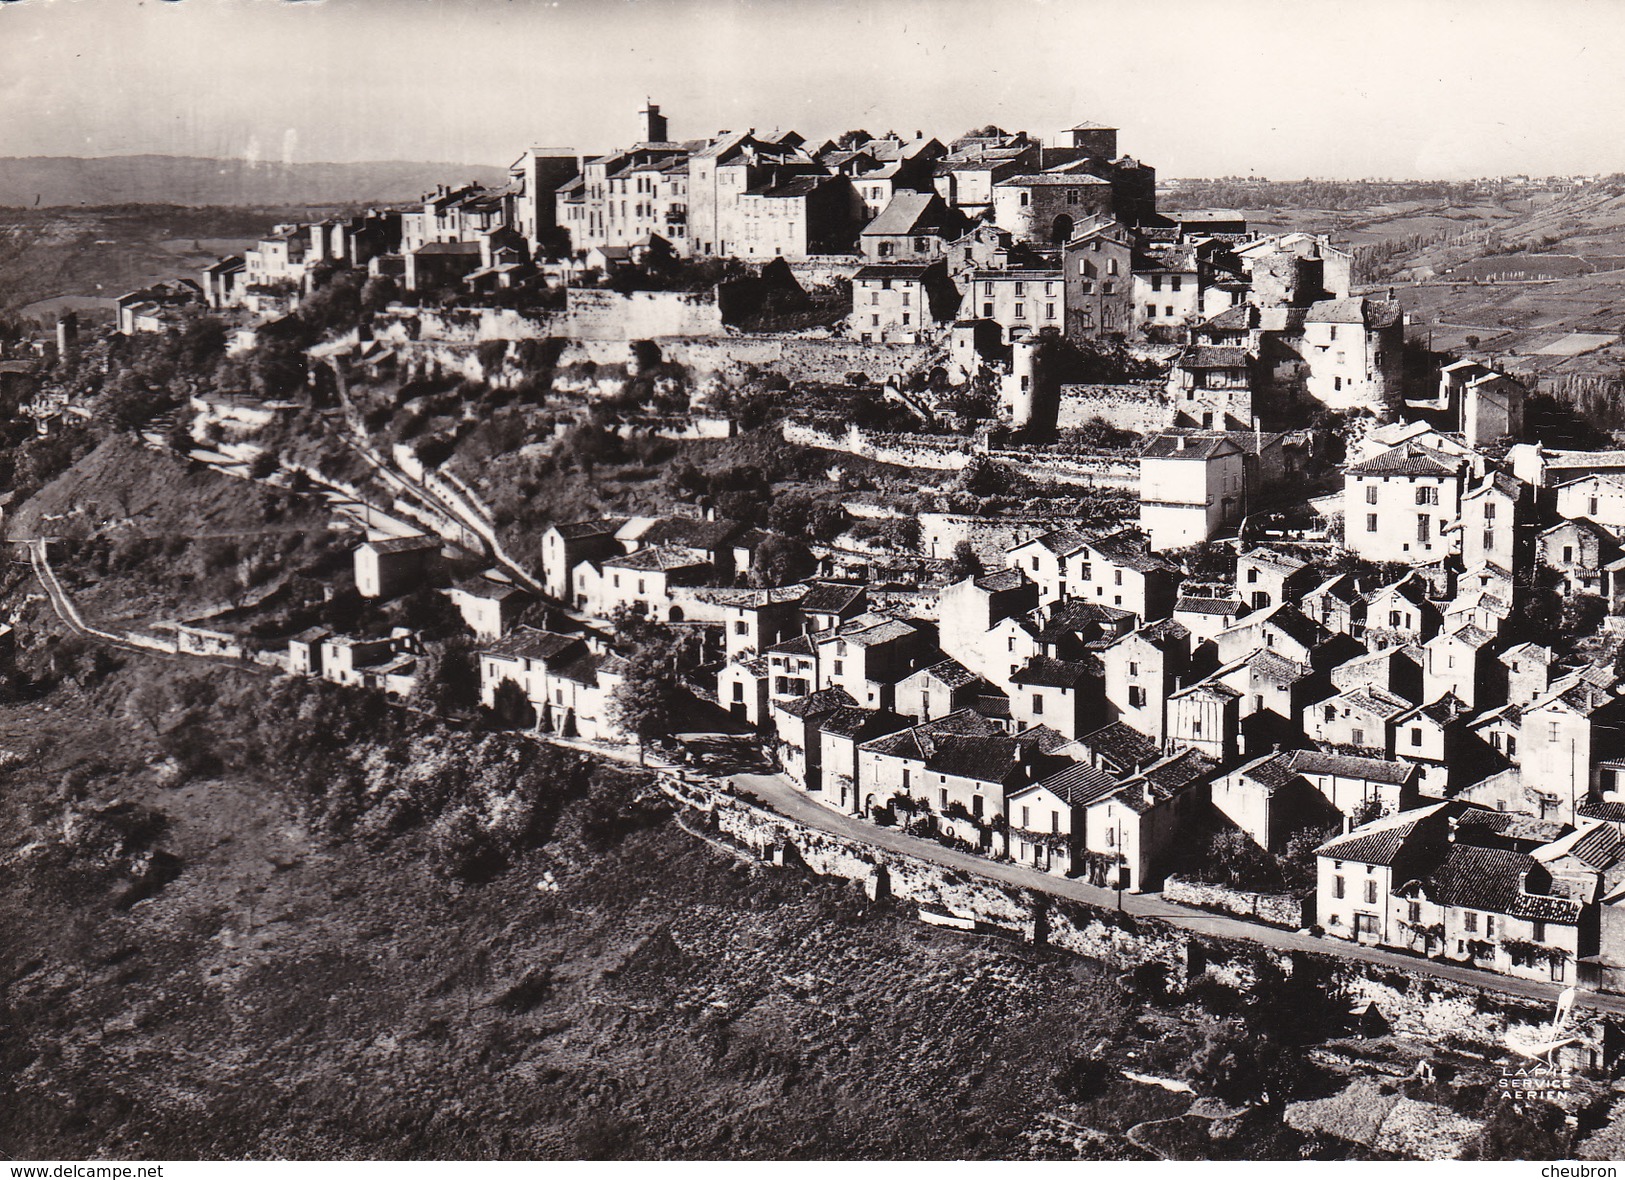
x,y
1278,909
594,314
1411,1003
989,536
918,451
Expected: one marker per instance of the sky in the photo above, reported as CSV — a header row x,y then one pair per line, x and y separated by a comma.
x,y
1287,89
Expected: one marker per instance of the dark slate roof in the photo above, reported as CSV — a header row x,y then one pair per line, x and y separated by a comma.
x,y
659,558
1062,541
1167,446
1380,842
1370,313
1209,606
1129,549
1490,879
529,643
1272,771
1122,743
912,272
818,704
1005,579
1206,356
692,534
830,598
1377,770
403,544
952,673
854,722
1406,459
910,743
1078,785
486,588
801,645
1051,673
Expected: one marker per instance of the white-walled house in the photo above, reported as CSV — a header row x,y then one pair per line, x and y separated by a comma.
x,y
1192,488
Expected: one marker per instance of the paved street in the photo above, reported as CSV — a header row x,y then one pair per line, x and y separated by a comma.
x,y
781,794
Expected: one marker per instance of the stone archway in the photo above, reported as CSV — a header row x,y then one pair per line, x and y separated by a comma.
x,y
1061,230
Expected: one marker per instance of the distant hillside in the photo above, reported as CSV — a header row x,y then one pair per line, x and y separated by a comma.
x,y
191,180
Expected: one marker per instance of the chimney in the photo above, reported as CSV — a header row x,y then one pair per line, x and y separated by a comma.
x,y
1390,294
1180,443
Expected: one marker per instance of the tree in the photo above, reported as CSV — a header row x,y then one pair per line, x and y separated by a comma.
x,y
964,563
781,561
647,703
511,708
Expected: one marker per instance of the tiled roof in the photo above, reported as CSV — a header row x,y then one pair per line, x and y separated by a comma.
x,y
1283,563
1376,701
692,534
1272,771
830,598
910,272
1078,785
855,722
1207,356
1377,770
1490,879
1406,459
801,645
657,559
1184,446
1379,842
1129,549
907,212
817,704
1062,541
529,643
1209,606
1121,743
952,673
1603,809
403,544
1371,313
1051,673
1005,579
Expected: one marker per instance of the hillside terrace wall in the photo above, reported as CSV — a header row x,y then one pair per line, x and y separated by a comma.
x,y
989,536
938,454
1413,1004
1093,471
1142,408
797,358
464,325
593,314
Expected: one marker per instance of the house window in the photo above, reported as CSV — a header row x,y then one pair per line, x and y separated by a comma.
x,y
1489,538
987,311
739,692
1553,730
1370,893
1568,554
1111,266
1592,510
1416,736
1424,529
1489,925
838,664
1427,495
942,797
1136,697
741,627
1026,821
905,778
1021,311
1538,931
1021,289
1469,922
1196,729
1156,282
1049,311
1173,283
1055,821
1415,913
1338,889
1170,311
1038,703
1150,311
1357,736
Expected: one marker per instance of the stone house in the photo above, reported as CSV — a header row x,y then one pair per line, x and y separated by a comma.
x,y
1138,827
840,768
1359,719
1098,264
1463,664
489,607
1191,489
1062,694
797,729
900,303
913,227
1397,506
981,619
1265,578
940,688
1021,301
742,688
1579,550
390,566
1141,670
1206,716
565,546
1046,819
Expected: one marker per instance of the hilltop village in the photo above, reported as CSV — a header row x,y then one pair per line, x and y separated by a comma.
x,y
986,500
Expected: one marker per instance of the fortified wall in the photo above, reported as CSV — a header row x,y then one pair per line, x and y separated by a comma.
x,y
1411,1003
